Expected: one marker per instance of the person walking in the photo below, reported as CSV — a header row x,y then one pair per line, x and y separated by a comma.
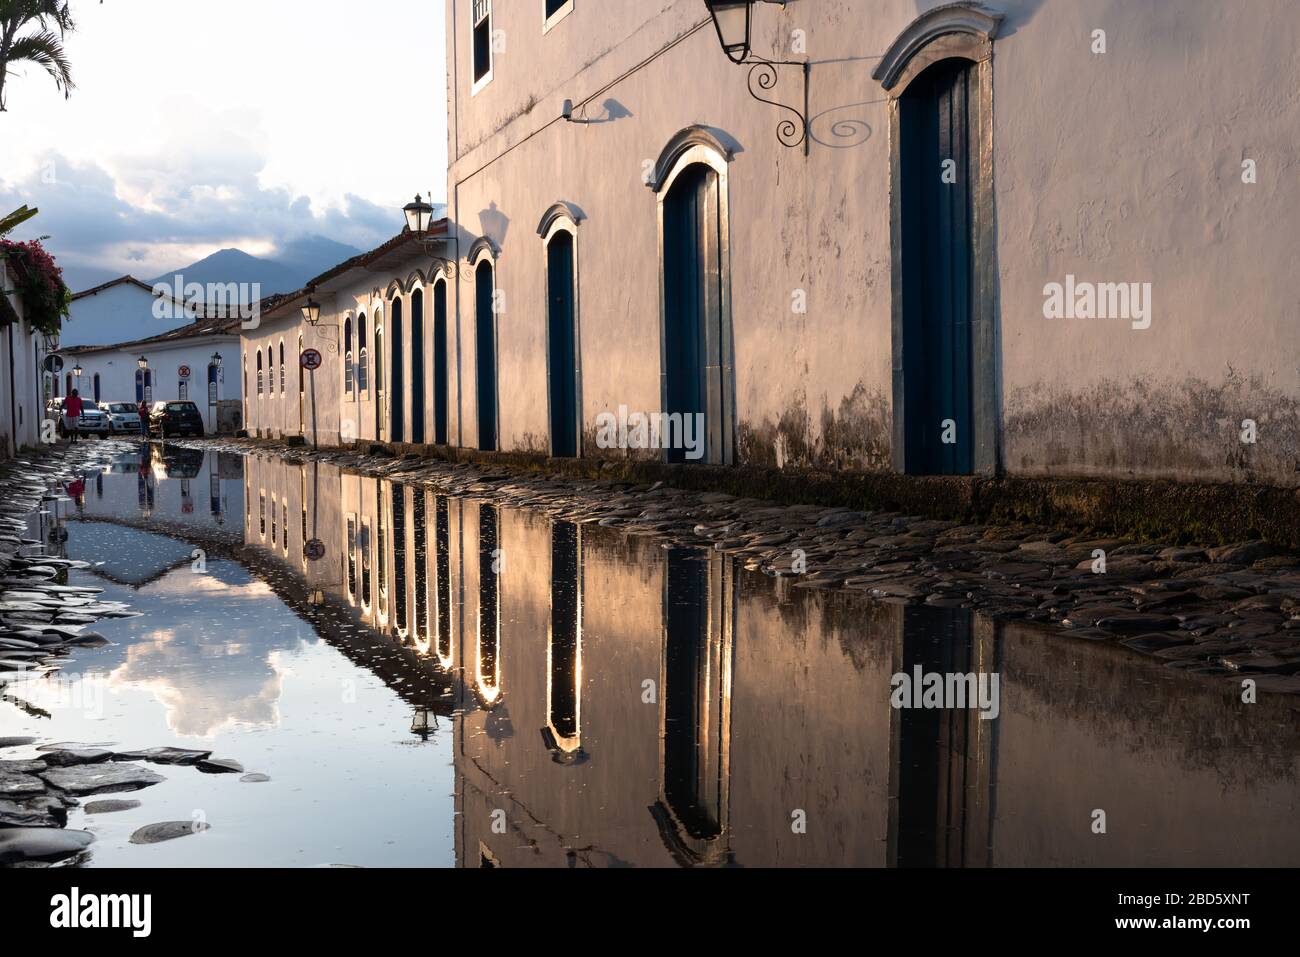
x,y
72,408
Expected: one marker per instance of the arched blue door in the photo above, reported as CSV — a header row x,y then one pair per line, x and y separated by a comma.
x,y
440,377
485,349
396,379
694,333
562,359
936,116
417,367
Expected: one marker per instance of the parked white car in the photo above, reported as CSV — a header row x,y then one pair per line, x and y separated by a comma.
x,y
123,417
94,421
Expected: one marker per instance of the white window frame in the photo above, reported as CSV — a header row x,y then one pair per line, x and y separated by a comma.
x,y
549,23
492,60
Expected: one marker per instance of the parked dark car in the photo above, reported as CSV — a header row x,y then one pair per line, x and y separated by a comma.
x,y
175,418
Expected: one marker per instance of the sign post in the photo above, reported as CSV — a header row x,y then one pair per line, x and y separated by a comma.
x,y
311,360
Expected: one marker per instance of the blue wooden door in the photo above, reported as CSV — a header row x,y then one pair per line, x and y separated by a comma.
x,y
937,174
397,376
485,349
417,367
694,379
440,377
562,360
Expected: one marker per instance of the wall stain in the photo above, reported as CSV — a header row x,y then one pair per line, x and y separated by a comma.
x,y
1190,431
856,435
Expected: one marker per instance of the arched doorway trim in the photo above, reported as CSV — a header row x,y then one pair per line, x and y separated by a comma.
x,y
957,31
691,148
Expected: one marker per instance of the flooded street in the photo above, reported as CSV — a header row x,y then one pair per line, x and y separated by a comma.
x,y
435,681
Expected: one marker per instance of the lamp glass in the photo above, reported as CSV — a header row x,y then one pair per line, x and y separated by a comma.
x,y
419,215
732,20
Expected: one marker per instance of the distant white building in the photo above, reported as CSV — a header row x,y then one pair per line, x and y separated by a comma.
x,y
190,362
122,310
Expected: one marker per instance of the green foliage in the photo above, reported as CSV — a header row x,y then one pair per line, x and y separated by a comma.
x,y
32,31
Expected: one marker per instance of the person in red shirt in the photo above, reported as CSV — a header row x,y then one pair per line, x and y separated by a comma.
x,y
73,408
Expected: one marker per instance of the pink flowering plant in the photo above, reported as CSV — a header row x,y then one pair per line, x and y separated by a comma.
x,y
47,299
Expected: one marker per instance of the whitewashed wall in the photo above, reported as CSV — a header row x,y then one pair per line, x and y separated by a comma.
x,y
1117,167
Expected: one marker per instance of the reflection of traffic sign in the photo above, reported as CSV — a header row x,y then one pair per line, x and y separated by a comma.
x,y
311,359
183,372
54,364
314,550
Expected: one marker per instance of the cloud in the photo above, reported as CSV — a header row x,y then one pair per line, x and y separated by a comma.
x,y
148,216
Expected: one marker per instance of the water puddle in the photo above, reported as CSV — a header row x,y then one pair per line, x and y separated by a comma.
x,y
437,681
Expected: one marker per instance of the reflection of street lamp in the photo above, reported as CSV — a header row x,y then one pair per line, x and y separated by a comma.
x,y
316,598
420,724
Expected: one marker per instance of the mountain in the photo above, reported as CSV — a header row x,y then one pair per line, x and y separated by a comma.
x,y
295,263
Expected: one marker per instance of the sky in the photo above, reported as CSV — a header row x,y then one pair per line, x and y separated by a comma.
x,y
198,125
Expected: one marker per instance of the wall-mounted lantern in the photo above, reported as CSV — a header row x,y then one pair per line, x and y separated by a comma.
x,y
734,22
733,19
419,218
217,359
142,362
311,312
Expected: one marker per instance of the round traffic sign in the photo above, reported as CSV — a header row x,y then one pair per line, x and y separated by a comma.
x,y
311,359
54,363
183,372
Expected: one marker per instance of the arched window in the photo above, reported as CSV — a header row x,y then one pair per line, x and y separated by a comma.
x,y
259,372
96,387
380,388
347,356
363,355
270,370
695,299
282,373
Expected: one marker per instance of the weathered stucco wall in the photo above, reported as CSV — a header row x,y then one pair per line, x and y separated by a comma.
x,y
1123,166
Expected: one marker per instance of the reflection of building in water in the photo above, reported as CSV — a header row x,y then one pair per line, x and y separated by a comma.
x,y
618,703
487,662
942,780
695,684
563,731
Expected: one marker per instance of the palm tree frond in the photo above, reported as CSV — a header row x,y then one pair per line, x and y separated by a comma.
x,y
15,219
46,51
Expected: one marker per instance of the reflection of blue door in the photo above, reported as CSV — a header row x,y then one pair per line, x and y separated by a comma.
x,y
485,349
417,367
440,363
936,124
562,360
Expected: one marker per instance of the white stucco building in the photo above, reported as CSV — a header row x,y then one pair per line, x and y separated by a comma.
x,y
192,362
123,310
22,350
1044,238
382,338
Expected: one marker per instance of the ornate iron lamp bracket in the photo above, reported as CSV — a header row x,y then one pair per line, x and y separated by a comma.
x,y
763,77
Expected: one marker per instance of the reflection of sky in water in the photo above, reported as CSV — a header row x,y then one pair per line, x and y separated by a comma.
x,y
218,662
